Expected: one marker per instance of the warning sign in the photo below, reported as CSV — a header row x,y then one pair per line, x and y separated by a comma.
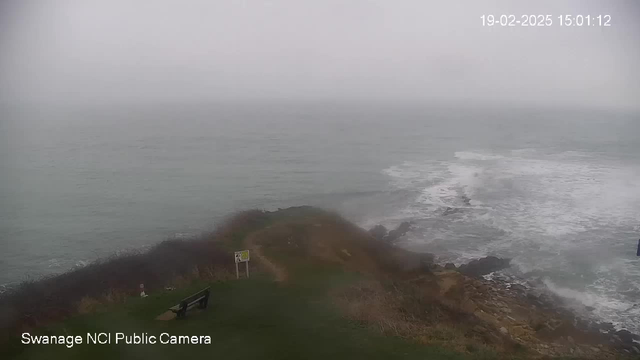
x,y
242,256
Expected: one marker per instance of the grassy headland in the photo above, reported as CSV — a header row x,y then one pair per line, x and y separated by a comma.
x,y
320,287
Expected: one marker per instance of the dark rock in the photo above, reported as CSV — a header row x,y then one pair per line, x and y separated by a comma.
x,y
392,236
451,211
398,232
466,200
581,323
415,261
626,336
404,227
607,326
450,266
484,266
378,232
616,338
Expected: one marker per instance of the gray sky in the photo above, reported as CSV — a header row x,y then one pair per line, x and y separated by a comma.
x,y
110,52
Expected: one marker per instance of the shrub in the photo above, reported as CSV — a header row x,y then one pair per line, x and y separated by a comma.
x,y
171,262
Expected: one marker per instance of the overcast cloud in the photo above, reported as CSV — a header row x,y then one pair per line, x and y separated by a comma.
x,y
110,52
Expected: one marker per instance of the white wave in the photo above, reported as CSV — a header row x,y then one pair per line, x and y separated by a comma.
x,y
183,236
573,153
54,263
524,152
562,197
7,286
545,210
582,297
409,174
81,263
548,196
452,185
389,221
470,155
607,308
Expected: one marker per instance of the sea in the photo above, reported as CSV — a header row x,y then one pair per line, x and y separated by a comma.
x,y
557,190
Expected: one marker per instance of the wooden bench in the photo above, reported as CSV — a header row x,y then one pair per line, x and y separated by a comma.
x,y
201,298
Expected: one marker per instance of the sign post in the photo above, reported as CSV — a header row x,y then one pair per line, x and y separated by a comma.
x,y
242,256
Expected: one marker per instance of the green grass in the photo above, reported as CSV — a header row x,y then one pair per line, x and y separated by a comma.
x,y
252,318
247,319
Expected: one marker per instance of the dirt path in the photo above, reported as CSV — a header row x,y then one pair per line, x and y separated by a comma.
x,y
278,272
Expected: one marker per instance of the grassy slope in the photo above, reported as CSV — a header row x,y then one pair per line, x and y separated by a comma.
x,y
247,319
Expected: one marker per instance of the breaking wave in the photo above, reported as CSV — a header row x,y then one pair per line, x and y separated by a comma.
x,y
566,217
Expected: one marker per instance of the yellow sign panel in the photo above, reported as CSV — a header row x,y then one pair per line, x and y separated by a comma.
x,y
242,256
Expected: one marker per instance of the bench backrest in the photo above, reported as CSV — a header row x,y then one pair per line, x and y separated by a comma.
x,y
195,296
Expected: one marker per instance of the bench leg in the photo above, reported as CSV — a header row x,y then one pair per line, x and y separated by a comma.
x,y
203,303
183,310
205,300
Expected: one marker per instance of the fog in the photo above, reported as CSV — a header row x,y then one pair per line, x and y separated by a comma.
x,y
114,52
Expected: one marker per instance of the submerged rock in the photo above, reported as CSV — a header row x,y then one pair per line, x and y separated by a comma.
x,y
403,227
484,266
451,211
378,232
415,261
626,336
398,232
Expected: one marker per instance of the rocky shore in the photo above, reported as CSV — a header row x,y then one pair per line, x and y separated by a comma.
x,y
509,312
474,309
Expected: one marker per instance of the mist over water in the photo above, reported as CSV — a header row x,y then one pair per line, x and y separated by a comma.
x,y
556,190
568,219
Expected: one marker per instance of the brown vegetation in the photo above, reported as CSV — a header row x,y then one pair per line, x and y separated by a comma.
x,y
328,238
173,263
392,311
407,295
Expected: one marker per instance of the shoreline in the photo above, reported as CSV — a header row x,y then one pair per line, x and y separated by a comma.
x,y
540,296
539,286
498,312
